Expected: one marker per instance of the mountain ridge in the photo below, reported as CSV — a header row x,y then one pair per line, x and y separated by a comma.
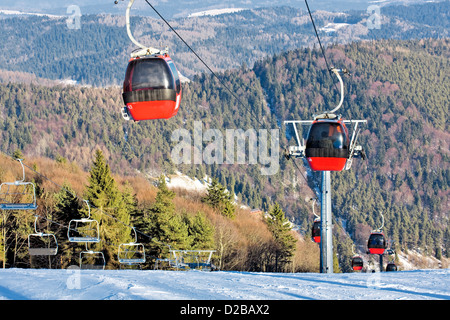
x,y
224,42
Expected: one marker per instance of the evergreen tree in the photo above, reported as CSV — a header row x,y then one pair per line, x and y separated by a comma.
x,y
109,207
285,242
201,232
17,154
67,207
67,204
219,198
163,224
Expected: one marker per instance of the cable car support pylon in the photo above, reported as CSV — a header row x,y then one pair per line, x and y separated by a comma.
x,y
328,153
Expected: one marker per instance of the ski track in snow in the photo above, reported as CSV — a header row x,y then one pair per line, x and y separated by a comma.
x,y
44,284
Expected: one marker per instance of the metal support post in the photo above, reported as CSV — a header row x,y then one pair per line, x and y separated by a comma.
x,y
326,235
381,263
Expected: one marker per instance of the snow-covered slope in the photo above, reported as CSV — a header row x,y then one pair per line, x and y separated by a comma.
x,y
20,13
74,284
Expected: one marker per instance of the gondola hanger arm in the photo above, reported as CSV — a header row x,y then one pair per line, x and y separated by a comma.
x,y
338,72
331,113
89,209
144,49
382,221
35,226
23,172
313,203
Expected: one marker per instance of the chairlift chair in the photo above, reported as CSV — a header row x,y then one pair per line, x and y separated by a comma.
x,y
18,195
131,253
42,244
97,259
190,259
84,229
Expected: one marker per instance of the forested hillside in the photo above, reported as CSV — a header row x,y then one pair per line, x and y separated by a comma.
x,y
164,220
400,87
97,53
406,139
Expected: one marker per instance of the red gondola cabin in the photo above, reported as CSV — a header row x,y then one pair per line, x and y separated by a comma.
x,y
315,231
328,145
357,263
152,88
376,243
391,267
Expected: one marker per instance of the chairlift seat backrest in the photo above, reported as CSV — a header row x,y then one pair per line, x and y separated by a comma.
x,y
36,242
43,251
18,196
75,233
98,256
131,253
42,244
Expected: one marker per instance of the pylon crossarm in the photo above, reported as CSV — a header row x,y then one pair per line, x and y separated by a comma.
x,y
299,149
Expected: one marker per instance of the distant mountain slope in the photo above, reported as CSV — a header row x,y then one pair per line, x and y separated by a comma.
x,y
400,87
97,53
178,9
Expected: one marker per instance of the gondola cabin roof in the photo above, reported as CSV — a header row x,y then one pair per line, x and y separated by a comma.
x,y
327,144
152,88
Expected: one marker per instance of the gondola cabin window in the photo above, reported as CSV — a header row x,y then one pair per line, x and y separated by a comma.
x,y
327,146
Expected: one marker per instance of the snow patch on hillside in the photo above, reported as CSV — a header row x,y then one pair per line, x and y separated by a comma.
x,y
414,260
215,12
20,13
333,27
181,181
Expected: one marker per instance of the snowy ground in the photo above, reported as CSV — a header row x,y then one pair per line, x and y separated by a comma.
x,y
74,284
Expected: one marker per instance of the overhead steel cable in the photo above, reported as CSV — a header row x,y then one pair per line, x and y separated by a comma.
x,y
317,36
220,80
